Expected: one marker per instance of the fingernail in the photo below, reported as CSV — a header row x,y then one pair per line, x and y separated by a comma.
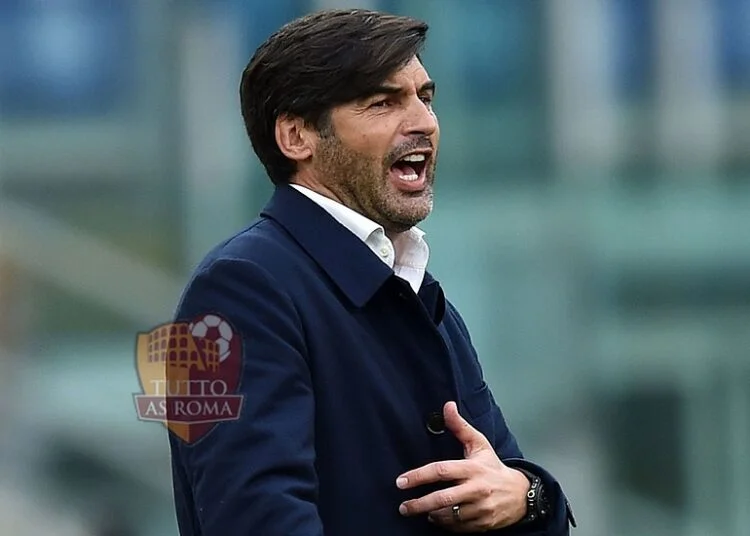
x,y
402,510
401,482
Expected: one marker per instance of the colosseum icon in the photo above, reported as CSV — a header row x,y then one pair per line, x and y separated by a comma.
x,y
175,345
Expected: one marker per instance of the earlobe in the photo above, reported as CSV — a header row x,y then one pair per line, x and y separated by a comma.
x,y
293,138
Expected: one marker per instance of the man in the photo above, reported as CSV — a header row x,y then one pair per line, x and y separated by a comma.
x,y
365,409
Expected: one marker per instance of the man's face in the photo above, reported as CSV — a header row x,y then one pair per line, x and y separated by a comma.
x,y
379,158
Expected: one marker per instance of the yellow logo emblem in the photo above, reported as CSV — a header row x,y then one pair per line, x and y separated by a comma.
x,y
189,373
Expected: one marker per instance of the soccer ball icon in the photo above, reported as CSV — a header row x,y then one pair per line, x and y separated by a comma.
x,y
215,329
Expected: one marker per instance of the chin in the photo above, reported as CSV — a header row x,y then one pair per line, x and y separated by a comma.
x,y
411,219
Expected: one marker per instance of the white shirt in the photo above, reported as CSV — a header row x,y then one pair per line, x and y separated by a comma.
x,y
407,255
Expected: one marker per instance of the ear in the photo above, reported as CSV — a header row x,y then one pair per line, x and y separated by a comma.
x,y
294,138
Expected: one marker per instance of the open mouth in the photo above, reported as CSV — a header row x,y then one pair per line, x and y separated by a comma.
x,y
411,167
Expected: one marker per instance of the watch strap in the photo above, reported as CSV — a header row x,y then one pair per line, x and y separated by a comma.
x,y
537,503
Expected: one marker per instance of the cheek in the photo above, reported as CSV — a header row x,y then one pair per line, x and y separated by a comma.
x,y
372,137
375,147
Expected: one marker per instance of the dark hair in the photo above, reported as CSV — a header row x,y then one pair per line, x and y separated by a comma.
x,y
315,63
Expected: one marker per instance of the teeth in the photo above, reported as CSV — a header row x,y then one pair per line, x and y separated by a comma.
x,y
413,158
409,178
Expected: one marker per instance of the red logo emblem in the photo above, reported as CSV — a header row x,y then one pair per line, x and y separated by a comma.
x,y
189,373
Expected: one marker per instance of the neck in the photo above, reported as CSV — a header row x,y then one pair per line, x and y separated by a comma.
x,y
318,188
391,230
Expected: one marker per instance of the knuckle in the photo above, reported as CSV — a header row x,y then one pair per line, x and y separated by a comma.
x,y
442,470
474,466
446,500
487,511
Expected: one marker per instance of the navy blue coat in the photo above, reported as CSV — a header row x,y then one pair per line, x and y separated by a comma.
x,y
343,366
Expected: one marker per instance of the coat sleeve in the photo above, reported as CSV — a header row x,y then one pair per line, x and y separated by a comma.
x,y
558,524
506,446
255,475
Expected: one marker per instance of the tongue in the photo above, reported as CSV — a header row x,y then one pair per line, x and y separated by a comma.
x,y
404,169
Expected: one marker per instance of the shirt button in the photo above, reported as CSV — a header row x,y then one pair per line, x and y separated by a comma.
x,y
384,251
436,423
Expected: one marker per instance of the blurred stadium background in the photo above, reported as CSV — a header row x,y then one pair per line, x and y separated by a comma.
x,y
593,198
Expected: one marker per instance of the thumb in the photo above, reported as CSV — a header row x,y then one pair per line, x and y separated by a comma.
x,y
472,439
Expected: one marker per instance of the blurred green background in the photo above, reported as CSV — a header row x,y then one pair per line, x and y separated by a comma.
x,y
591,224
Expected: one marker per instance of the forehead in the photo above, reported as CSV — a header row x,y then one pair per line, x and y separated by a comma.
x,y
411,73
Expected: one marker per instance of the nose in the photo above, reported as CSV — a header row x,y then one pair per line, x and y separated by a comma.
x,y
420,118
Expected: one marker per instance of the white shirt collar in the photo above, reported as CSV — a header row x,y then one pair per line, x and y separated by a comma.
x,y
407,254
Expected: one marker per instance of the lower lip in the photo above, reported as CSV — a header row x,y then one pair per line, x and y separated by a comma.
x,y
407,186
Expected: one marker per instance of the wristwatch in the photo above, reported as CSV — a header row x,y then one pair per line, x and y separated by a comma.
x,y
537,502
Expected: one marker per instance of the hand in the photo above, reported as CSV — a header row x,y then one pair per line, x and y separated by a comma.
x,y
491,495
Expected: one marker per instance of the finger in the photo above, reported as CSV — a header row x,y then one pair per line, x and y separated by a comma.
x,y
441,516
445,517
444,498
468,511
472,439
472,519
442,471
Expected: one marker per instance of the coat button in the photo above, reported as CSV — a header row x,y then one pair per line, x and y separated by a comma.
x,y
436,423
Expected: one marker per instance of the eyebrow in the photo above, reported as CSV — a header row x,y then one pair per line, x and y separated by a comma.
x,y
386,89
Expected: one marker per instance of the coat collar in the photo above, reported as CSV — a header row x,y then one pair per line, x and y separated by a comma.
x,y
344,257
433,297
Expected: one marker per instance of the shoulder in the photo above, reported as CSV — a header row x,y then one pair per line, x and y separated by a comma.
x,y
257,260
263,243
264,249
452,316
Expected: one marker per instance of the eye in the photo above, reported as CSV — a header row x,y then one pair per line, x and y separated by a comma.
x,y
427,99
383,103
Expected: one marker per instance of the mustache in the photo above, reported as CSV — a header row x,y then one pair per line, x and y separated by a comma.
x,y
418,142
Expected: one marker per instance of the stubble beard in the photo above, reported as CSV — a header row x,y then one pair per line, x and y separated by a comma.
x,y
362,183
